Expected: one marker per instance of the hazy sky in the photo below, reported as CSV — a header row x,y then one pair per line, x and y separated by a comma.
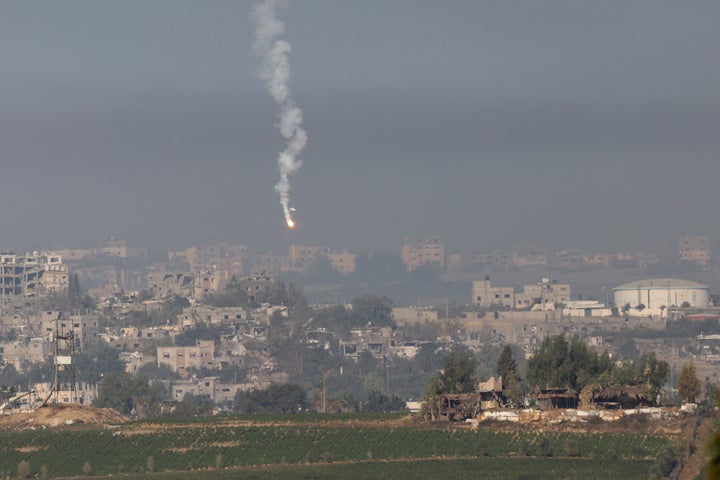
x,y
558,124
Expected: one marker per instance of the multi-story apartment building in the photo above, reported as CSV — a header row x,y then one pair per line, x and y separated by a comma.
x,y
134,361
529,258
217,391
70,254
212,254
30,350
543,295
212,315
163,283
119,248
179,359
234,266
414,315
84,393
34,274
695,249
485,295
303,257
209,280
269,264
343,262
84,328
375,340
430,251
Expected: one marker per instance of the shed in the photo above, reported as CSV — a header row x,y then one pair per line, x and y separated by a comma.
x,y
458,406
491,393
551,398
614,397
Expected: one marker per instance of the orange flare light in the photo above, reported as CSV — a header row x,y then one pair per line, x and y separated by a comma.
x,y
290,224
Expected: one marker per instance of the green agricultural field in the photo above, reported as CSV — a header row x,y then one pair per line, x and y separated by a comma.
x,y
322,447
506,468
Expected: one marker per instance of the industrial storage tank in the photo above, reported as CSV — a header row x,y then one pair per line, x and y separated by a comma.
x,y
654,296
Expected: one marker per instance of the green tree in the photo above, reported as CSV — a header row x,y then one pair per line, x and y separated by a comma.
x,y
193,406
97,360
74,298
128,394
334,319
74,291
655,374
174,306
548,366
558,363
506,365
508,370
626,374
289,295
378,401
371,310
10,377
456,375
689,384
285,342
277,398
234,295
153,371
199,331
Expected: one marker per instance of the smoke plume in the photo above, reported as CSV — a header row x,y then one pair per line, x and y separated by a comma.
x,y
275,71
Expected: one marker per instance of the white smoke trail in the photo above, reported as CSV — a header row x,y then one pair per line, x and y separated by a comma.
x,y
275,71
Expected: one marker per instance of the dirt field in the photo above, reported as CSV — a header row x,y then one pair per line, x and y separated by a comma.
x,y
57,415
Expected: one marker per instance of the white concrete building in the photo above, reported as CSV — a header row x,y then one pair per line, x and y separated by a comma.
x,y
586,308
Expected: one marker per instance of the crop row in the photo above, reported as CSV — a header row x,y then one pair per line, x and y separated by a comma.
x,y
65,452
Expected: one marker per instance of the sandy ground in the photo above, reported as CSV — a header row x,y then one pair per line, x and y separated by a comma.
x,y
701,456
56,415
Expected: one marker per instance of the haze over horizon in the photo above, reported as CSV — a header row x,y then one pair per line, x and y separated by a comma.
x,y
554,124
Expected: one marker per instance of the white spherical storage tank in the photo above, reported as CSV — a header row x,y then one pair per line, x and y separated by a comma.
x,y
653,296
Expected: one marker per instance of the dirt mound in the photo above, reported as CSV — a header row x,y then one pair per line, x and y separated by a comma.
x,y
56,415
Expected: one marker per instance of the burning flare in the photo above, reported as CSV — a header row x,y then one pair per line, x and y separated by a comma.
x,y
275,71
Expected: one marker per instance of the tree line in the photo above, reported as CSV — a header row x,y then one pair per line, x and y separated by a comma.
x,y
560,362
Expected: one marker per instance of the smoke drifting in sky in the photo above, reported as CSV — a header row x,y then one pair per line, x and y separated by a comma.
x,y
555,124
275,71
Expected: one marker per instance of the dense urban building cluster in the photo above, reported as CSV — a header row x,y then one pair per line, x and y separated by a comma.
x,y
218,321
